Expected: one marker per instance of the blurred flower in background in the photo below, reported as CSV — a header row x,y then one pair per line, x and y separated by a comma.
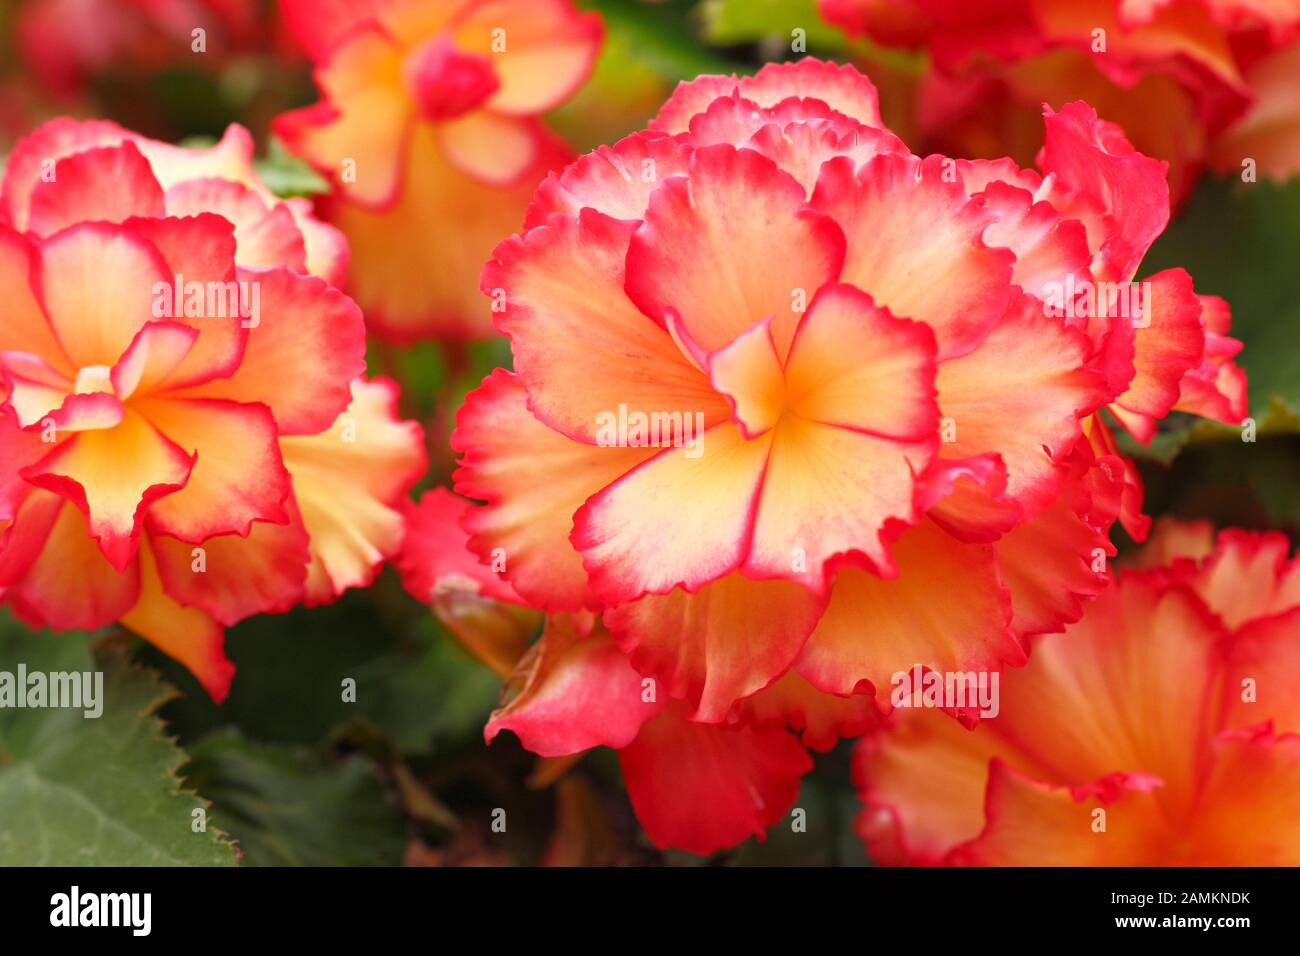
x,y
173,68
1195,82
428,132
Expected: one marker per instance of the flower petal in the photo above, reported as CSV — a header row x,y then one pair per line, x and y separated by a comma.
x,y
349,482
875,628
580,347
1259,681
26,328
231,578
306,326
1131,686
729,639
549,50
703,787
854,365
115,476
435,549
682,517
533,480
1021,395
156,352
394,251
1248,576
580,692
822,718
33,155
1169,342
615,180
841,87
200,249
108,184
357,135
1032,823
498,150
827,492
184,634
704,248
1252,804
1123,196
54,575
943,275
922,781
1059,556
238,475
98,283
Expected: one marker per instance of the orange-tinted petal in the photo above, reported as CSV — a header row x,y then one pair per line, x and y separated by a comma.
x,y
684,516
184,634
874,628
704,247
729,639
53,573
943,275
580,347
1021,394
549,49
115,476
226,491
304,325
97,282
349,482
533,480
822,719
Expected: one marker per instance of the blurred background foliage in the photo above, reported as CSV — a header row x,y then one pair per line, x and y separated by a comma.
x,y
296,775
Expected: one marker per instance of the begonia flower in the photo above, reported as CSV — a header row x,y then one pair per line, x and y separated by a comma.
x,y
188,435
428,131
1193,82
1160,729
790,400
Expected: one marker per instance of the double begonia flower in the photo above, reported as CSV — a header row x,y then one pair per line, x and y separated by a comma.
x,y
428,130
187,434
1161,729
794,410
1195,82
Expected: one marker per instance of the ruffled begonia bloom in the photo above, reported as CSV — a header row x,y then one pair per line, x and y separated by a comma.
x,y
428,130
1194,82
694,786
187,434
1163,728
883,447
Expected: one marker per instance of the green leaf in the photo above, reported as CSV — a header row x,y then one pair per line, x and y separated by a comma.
x,y
662,36
752,21
292,806
94,791
287,175
412,680
436,699
1179,431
